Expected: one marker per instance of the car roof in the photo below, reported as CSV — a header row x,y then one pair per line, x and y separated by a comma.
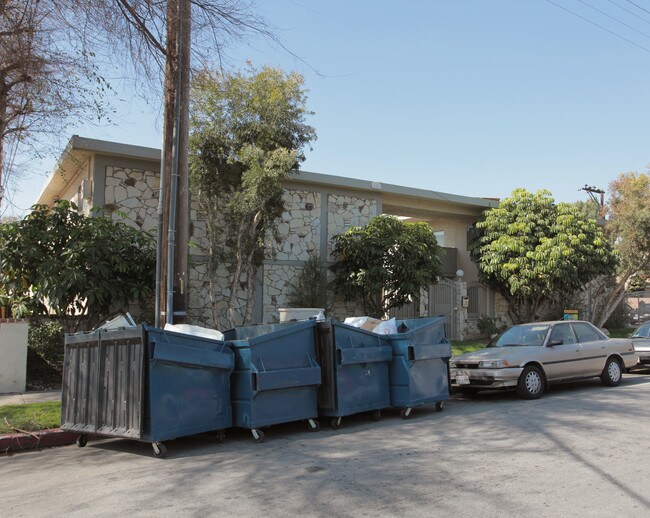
x,y
553,322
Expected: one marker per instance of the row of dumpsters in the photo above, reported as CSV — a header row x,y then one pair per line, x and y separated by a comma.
x,y
152,385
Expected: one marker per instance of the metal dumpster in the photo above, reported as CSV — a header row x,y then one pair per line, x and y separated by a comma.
x,y
419,372
276,375
146,384
354,368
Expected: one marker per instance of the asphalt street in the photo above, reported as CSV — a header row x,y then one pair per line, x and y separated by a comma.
x,y
581,450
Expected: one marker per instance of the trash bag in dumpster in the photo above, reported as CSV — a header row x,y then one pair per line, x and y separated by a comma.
x,y
354,367
276,375
419,372
146,384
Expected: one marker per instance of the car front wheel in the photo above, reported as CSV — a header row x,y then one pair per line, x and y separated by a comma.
x,y
531,383
612,373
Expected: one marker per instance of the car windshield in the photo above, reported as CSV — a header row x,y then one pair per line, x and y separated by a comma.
x,y
642,332
521,336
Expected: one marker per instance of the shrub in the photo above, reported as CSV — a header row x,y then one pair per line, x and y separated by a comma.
x,y
311,289
487,326
47,340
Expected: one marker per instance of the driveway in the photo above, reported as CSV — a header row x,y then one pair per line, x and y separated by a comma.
x,y
578,451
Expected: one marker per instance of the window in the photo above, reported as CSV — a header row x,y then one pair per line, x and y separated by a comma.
x,y
563,332
477,296
586,332
440,236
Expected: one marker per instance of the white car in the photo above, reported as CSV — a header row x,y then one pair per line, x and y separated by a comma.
x,y
641,340
528,357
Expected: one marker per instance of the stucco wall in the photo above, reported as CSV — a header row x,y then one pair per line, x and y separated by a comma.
x,y
13,351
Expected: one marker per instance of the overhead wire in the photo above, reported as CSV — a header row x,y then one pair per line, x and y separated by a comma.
x,y
615,19
629,11
638,6
599,26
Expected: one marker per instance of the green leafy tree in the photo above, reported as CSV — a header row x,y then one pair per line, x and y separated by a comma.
x,y
628,229
247,135
384,264
81,268
531,249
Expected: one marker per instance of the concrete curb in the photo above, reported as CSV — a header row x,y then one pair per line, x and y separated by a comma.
x,y
39,439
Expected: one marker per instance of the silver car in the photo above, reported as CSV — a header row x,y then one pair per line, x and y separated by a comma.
x,y
641,340
530,356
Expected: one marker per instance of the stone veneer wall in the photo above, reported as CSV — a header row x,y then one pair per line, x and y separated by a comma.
x,y
133,192
345,212
300,231
300,226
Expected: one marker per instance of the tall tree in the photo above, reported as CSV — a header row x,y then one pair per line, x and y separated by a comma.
x,y
153,41
628,229
530,249
248,134
45,82
384,264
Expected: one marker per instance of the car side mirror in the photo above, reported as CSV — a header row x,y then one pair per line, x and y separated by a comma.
x,y
555,342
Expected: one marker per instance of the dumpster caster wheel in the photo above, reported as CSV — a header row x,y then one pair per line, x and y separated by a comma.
x,y
258,435
82,440
335,423
376,415
405,413
159,449
440,405
314,425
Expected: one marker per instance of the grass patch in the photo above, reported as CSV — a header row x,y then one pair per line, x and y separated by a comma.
x,y
623,332
466,346
30,417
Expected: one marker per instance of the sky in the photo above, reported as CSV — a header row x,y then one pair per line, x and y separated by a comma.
x,y
468,97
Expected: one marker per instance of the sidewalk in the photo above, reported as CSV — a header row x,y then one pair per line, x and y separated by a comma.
x,y
30,397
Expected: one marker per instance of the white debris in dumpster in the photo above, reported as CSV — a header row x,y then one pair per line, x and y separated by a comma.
x,y
381,327
189,329
367,323
386,327
123,320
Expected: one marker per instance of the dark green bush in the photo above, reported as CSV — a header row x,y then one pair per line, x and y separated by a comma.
x,y
47,340
487,326
620,318
311,289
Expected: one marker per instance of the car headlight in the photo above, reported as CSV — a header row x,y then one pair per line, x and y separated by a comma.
x,y
493,364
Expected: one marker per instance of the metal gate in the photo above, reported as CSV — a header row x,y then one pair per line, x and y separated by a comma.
x,y
444,299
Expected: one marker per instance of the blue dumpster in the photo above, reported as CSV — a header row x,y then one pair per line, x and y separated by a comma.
x,y
354,368
145,384
276,375
419,373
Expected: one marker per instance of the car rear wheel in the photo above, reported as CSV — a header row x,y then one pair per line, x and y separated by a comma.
x,y
612,373
531,383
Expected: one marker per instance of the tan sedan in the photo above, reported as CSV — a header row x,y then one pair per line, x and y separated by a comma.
x,y
530,356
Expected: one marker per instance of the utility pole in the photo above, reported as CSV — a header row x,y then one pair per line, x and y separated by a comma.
x,y
173,208
592,191
600,221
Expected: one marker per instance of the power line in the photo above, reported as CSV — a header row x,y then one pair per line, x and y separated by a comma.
x,y
637,5
629,11
599,26
615,19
